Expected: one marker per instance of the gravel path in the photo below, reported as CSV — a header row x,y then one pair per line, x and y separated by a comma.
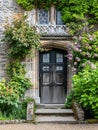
x,y
49,127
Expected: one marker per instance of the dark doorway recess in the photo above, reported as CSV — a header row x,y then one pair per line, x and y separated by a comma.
x,y
53,76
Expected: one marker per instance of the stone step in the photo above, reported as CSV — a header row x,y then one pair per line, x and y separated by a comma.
x,y
50,106
54,113
42,111
55,119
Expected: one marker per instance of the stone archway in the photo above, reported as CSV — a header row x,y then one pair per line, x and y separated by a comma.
x,y
64,46
47,45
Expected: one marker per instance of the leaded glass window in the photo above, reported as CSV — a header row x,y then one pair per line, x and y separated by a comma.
x,y
59,18
59,58
43,17
46,58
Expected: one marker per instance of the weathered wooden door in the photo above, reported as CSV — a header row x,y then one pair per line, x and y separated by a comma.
x,y
53,76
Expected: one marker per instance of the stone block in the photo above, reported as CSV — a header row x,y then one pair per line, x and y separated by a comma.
x,y
78,111
30,111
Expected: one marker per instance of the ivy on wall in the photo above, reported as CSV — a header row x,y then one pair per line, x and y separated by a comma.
x,y
80,16
29,4
72,10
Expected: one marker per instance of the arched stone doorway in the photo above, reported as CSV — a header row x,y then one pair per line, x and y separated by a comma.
x,y
48,94
61,46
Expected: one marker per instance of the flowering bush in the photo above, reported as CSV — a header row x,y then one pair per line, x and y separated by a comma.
x,y
22,38
85,51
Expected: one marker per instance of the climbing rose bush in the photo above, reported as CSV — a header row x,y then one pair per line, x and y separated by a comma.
x,y
85,51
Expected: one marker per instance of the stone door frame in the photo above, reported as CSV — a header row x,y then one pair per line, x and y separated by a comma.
x,y
48,44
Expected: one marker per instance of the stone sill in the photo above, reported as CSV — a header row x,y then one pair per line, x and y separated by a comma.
x,y
55,37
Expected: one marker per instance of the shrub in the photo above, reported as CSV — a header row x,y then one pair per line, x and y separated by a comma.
x,y
9,100
20,84
12,106
20,112
68,103
15,68
85,90
17,80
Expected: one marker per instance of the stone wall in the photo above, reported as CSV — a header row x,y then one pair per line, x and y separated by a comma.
x,y
78,112
9,10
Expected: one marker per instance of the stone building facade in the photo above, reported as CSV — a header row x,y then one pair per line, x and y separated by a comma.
x,y
51,77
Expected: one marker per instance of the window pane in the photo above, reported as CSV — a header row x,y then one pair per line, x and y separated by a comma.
x,y
43,16
58,18
46,58
59,58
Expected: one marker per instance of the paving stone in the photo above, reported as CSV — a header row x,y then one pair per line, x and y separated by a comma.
x,y
49,126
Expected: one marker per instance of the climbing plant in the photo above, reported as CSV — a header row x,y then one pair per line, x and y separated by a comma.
x,y
22,39
86,50
72,10
81,18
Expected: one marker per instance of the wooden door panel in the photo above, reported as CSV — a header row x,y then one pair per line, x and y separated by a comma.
x,y
59,79
58,94
46,79
52,76
46,94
